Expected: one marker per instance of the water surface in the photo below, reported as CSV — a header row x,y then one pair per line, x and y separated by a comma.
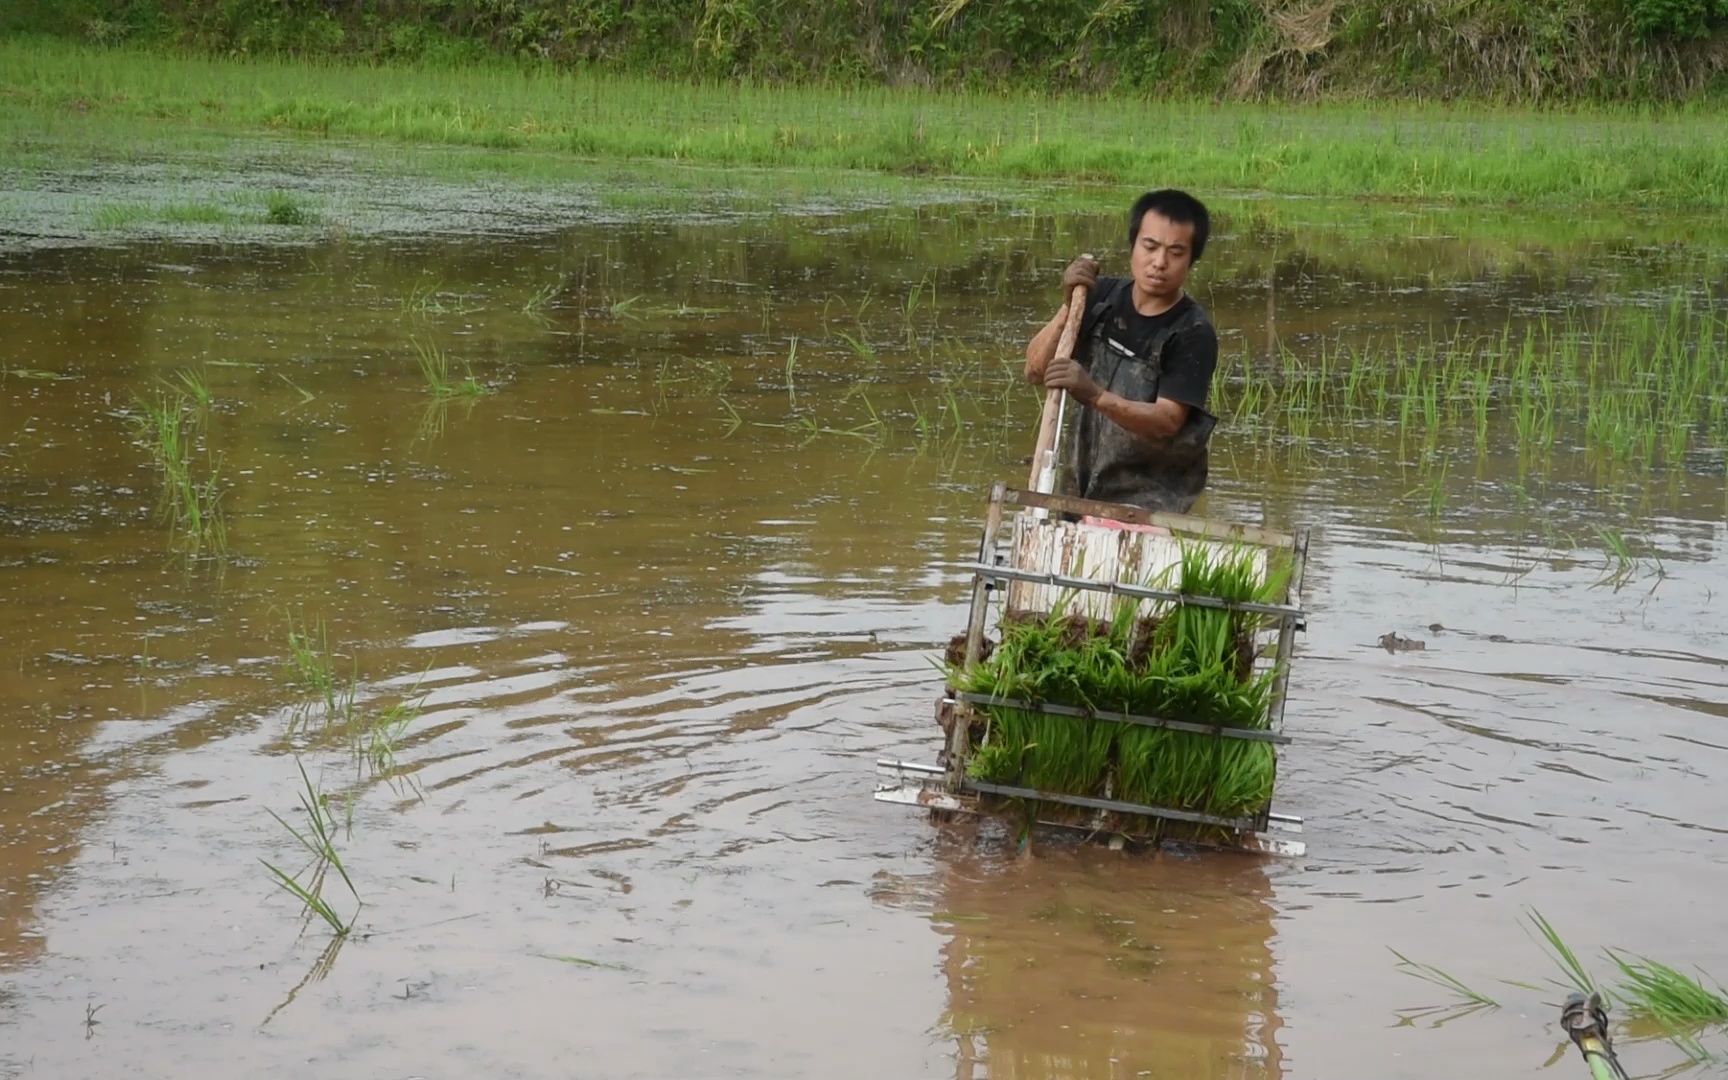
x,y
667,593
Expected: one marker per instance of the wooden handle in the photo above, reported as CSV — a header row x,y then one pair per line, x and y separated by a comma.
x,y
1053,398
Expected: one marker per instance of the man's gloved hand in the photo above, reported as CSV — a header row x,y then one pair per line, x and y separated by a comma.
x,y
1082,271
1067,374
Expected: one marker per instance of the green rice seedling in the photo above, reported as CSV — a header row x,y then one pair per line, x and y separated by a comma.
x,y
201,512
998,761
1067,754
582,961
914,300
624,309
163,424
734,420
1432,490
861,347
1671,997
1696,1052
423,299
1195,664
196,386
121,215
319,839
310,658
303,394
1190,771
1243,777
312,903
196,213
1577,976
312,665
1428,973
1621,564
376,745
926,425
791,366
541,298
285,208
434,364
189,502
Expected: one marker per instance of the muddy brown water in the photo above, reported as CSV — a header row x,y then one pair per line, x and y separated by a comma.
x,y
666,612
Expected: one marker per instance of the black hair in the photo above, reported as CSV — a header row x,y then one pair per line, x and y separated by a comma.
x,y
1177,206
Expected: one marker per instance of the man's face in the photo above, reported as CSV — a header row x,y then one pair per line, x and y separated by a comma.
x,y
1162,255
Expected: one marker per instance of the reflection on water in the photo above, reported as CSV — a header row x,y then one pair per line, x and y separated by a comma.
x,y
1086,965
672,587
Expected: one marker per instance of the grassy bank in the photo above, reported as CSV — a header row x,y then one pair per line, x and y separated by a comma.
x,y
1640,157
1506,50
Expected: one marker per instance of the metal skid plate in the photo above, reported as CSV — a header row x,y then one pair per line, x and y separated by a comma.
x,y
908,783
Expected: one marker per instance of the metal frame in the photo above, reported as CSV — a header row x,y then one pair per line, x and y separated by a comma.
x,y
949,789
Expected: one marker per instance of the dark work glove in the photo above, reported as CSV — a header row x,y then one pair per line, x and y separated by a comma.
x,y
1082,271
1067,374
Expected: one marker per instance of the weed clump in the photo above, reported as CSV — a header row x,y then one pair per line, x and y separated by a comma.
x,y
283,208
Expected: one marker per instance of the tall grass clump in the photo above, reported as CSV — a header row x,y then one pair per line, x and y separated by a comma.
x,y
1190,663
285,208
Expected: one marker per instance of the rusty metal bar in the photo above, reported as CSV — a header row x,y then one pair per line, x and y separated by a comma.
x,y
960,736
1248,734
1287,632
1090,803
1143,592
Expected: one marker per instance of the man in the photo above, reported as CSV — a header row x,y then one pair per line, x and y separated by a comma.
x,y
1142,366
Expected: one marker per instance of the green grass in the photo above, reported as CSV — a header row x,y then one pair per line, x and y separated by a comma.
x,y
285,208
129,215
275,208
1448,153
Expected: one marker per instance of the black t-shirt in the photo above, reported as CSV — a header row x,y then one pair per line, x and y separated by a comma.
x,y
1190,356
1140,358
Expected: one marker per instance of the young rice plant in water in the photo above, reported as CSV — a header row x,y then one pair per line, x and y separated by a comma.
x,y
170,426
318,838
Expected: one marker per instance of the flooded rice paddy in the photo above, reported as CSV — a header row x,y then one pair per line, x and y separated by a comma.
x,y
629,609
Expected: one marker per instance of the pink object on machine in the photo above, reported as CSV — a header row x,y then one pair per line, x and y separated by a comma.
x,y
1109,523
